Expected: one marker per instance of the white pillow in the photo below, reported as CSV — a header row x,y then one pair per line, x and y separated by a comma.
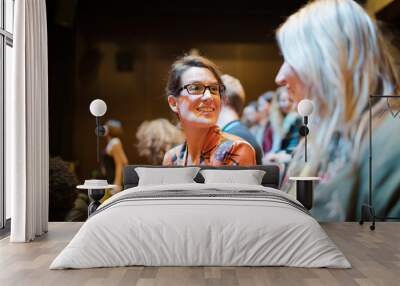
x,y
249,177
163,176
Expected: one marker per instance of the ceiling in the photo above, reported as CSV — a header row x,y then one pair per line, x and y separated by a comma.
x,y
247,20
68,12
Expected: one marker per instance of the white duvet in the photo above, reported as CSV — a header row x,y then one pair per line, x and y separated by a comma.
x,y
183,231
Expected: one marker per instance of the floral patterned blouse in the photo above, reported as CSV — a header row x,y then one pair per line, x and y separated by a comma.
x,y
220,149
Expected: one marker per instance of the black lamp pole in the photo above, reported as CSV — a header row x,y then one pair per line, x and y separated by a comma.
x,y
100,131
369,208
304,132
305,107
98,108
305,136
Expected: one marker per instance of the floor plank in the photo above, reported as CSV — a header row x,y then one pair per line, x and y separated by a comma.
x,y
374,255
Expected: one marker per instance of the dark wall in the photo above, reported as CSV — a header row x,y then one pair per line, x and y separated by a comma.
x,y
61,64
128,67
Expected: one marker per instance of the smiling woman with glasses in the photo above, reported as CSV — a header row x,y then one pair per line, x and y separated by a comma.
x,y
194,92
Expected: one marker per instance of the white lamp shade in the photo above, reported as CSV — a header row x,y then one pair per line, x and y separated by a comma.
x,y
98,107
305,107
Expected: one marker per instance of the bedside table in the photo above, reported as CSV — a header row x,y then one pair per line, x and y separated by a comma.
x,y
96,190
305,190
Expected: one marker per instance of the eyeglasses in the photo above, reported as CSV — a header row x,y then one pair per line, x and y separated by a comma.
x,y
199,89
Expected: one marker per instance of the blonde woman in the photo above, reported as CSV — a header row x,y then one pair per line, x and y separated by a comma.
x,y
155,137
335,55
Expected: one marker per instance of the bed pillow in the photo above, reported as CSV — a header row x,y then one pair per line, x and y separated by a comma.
x,y
163,176
248,177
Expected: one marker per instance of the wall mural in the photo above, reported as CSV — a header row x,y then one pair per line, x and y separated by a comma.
x,y
219,102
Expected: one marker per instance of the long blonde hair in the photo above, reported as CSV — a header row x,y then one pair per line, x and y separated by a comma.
x,y
339,53
155,137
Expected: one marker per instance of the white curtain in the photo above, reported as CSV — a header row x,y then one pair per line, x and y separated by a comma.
x,y
27,147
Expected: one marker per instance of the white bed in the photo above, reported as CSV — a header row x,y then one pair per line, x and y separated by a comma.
x,y
201,225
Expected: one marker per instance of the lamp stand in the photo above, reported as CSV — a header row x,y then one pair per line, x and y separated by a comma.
x,y
305,137
95,196
369,207
304,132
100,131
97,138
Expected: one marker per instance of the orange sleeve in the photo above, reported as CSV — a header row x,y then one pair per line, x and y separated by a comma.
x,y
245,154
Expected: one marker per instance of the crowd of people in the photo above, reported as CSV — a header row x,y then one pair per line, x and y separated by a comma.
x,y
275,123
335,55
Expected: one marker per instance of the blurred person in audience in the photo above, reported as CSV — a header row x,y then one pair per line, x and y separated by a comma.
x,y
194,92
80,210
231,109
62,192
155,137
114,158
250,115
283,128
264,130
335,55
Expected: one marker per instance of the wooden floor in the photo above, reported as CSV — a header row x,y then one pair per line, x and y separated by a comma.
x,y
374,255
